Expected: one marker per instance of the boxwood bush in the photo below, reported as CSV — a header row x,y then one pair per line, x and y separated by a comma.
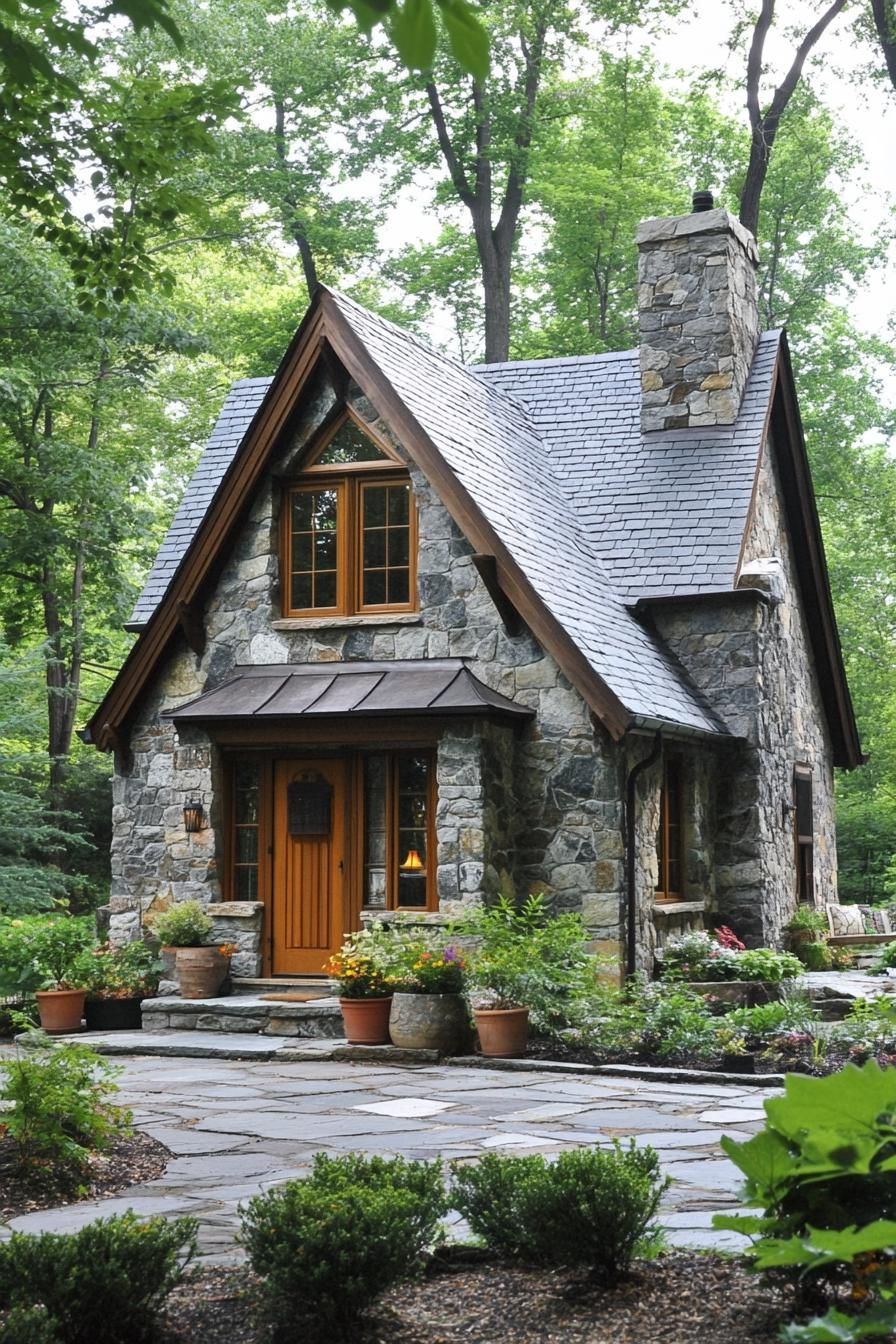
x,y
101,1285
591,1208
327,1245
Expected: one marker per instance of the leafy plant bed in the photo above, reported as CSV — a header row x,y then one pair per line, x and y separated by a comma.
x,y
467,1299
126,1162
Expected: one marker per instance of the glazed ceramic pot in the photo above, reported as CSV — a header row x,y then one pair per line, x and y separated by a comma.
x,y
366,1021
429,1022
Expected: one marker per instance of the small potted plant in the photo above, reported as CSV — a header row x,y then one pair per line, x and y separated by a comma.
x,y
56,947
201,968
428,1008
498,979
117,980
365,994
806,925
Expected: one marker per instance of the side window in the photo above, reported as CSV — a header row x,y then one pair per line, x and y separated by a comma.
x,y
804,821
399,806
670,836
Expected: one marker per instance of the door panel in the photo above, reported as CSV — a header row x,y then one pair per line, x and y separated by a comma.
x,y
309,865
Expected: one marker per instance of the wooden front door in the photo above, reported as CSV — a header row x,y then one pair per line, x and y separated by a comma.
x,y
309,915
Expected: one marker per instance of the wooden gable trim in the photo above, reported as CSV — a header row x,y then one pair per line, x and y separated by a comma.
x,y
809,559
229,504
325,328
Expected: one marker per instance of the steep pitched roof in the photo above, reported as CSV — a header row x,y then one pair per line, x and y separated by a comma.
x,y
529,482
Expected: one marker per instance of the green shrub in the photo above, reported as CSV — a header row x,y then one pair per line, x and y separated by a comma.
x,y
663,1020
815,956
591,1208
103,1284
885,959
326,1246
61,1109
185,924
107,972
40,952
526,956
30,1325
792,1013
823,1170
764,963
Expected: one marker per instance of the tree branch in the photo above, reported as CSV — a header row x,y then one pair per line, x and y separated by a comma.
x,y
458,176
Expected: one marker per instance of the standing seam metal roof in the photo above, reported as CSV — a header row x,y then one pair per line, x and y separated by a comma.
x,y
594,513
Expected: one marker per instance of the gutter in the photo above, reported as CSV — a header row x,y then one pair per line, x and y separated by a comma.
x,y
630,903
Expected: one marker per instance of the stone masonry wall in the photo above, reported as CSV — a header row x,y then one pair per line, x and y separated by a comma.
x,y
792,725
533,809
697,318
751,657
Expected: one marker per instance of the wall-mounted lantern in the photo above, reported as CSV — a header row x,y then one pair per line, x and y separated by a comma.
x,y
194,816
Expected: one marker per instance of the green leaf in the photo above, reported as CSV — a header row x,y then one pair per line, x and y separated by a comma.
x,y
413,31
849,1100
468,38
765,1160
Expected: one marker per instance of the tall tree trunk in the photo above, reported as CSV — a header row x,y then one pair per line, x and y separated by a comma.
x,y
884,15
292,211
764,125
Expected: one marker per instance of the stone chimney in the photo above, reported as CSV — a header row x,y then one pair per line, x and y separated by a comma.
x,y
698,317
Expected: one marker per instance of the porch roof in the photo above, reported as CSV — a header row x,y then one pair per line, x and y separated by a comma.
x,y
443,686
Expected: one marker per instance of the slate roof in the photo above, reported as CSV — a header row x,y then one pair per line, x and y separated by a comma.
x,y
551,452
323,690
665,512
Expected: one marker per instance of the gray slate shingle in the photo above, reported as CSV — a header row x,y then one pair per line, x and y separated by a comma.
x,y
594,514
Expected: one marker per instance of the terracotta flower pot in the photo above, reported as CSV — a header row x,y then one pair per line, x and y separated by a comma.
x,y
201,971
366,1020
503,1032
428,1022
60,1009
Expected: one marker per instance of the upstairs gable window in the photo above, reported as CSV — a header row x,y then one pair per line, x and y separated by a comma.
x,y
350,530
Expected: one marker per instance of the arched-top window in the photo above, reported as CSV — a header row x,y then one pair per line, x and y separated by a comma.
x,y
349,529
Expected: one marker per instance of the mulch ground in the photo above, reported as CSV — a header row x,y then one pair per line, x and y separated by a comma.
x,y
127,1162
681,1298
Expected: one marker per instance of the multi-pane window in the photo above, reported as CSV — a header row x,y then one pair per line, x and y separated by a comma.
x,y
804,815
246,790
398,816
350,532
670,836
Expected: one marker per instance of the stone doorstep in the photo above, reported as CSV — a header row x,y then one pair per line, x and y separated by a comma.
x,y
249,1014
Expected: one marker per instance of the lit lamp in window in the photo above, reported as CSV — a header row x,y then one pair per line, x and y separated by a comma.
x,y
412,864
194,816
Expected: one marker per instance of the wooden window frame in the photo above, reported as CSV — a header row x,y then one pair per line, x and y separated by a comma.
x,y
393,858
804,842
349,480
665,858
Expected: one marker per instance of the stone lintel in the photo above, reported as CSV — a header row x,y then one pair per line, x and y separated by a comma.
x,y
234,909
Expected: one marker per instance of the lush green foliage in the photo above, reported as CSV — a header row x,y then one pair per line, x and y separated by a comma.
x,y
702,957
525,956
886,958
815,956
327,1245
592,1209
184,924
807,917
61,1106
41,952
102,1284
107,972
825,1162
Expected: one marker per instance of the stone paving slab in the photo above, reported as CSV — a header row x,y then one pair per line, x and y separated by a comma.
x,y
237,1127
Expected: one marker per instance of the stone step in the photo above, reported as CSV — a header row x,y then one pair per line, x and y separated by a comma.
x,y
245,1014
285,984
232,1045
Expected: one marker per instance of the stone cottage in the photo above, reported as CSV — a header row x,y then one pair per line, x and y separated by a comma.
x,y
422,633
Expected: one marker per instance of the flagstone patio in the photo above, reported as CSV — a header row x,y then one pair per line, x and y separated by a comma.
x,y
237,1127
